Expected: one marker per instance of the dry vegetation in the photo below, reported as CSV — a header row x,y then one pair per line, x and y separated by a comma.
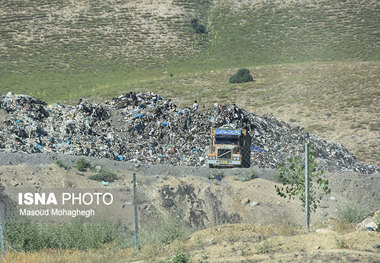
x,y
233,243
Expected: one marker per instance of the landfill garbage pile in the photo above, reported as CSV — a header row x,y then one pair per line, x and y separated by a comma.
x,y
146,128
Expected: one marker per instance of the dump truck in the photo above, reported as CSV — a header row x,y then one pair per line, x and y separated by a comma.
x,y
229,148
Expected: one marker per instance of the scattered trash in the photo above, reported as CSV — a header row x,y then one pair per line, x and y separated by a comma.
x,y
105,183
245,201
371,223
146,128
253,204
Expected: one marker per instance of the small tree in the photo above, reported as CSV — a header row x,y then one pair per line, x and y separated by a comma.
x,y
198,28
292,176
242,75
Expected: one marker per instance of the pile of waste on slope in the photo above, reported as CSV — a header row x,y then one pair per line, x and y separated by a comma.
x,y
146,128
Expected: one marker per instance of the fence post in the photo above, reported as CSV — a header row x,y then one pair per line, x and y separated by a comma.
x,y
307,185
136,212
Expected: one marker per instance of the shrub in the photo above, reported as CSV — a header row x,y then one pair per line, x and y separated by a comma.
x,y
352,213
340,242
198,28
104,175
288,228
265,248
242,75
82,165
181,257
164,232
248,176
62,165
194,22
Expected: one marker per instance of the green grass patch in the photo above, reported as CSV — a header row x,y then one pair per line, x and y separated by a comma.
x,y
27,236
83,165
104,175
164,232
62,165
181,257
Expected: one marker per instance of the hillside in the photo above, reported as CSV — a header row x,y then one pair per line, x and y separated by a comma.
x,y
98,46
84,36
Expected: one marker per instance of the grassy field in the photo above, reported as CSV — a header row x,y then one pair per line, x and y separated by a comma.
x,y
62,51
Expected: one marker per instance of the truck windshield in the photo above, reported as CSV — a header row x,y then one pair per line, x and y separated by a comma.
x,y
226,140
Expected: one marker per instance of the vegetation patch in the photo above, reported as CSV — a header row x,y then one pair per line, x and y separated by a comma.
x,y
292,176
215,174
26,236
165,232
341,242
83,165
265,248
198,28
62,165
181,257
249,175
104,175
352,213
241,76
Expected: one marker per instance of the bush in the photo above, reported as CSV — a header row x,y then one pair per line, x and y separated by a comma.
x,y
164,232
248,176
82,165
181,257
104,175
352,213
198,28
62,165
241,76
